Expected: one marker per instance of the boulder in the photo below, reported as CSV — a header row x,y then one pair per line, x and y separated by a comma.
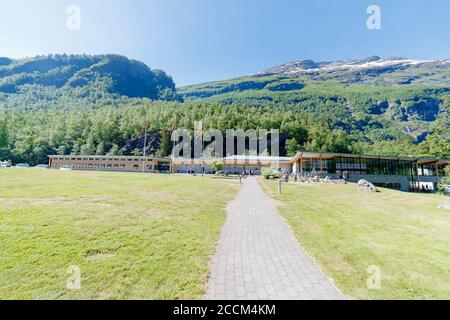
x,y
366,186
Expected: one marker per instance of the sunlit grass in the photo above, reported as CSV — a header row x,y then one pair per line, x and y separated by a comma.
x,y
133,236
405,234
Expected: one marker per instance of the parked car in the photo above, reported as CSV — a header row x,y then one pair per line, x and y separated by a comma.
x,y
65,168
5,164
22,165
42,166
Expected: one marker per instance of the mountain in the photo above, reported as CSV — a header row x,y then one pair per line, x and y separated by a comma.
x,y
112,74
66,104
373,70
407,95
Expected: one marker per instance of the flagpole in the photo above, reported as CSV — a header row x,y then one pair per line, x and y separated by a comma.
x,y
145,146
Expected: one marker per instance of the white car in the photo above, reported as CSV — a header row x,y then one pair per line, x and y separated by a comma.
x,y
5,164
42,166
66,168
22,165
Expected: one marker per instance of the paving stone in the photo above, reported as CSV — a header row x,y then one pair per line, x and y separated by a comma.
x,y
259,258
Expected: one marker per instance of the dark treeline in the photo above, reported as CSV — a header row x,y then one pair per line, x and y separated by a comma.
x,y
86,105
30,135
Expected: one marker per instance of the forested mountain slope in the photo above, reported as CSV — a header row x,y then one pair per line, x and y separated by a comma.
x,y
64,74
376,101
63,104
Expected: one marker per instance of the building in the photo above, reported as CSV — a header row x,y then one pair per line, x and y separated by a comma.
x,y
112,163
402,173
233,164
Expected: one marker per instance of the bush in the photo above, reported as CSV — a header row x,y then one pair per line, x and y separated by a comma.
x,y
217,166
444,186
270,174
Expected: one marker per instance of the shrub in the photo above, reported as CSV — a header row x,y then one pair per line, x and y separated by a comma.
x,y
270,174
445,183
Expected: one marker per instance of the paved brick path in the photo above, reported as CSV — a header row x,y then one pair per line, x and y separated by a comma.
x,y
258,257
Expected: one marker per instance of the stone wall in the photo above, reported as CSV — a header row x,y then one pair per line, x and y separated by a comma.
x,y
376,179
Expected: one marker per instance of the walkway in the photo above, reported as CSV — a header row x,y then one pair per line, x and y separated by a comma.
x,y
258,257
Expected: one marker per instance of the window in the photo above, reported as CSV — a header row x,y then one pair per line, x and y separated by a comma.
x,y
164,166
396,186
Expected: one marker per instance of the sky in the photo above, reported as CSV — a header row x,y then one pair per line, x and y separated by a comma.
x,y
197,41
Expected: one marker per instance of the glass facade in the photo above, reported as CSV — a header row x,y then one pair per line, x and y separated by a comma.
x,y
356,165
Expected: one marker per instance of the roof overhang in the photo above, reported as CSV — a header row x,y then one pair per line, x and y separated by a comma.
x,y
331,155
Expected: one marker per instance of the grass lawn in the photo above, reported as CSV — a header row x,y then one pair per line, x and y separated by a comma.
x,y
133,236
404,234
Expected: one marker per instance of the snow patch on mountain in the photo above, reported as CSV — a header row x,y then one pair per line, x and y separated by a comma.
x,y
309,66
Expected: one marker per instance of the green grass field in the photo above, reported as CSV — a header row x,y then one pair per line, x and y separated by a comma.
x,y
404,234
133,236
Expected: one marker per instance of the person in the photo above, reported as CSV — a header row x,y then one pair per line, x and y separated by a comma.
x,y
345,175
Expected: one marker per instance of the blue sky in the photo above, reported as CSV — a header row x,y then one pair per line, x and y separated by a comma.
x,y
203,40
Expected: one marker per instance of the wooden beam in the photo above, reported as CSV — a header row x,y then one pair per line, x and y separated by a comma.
x,y
321,165
301,165
417,173
437,172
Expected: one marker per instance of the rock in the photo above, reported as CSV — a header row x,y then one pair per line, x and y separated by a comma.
x,y
444,206
425,109
366,186
379,108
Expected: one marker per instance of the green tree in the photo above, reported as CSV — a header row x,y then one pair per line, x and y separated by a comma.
x,y
437,143
41,150
292,147
445,180
137,152
4,151
165,148
100,149
115,151
88,148
217,165
3,134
